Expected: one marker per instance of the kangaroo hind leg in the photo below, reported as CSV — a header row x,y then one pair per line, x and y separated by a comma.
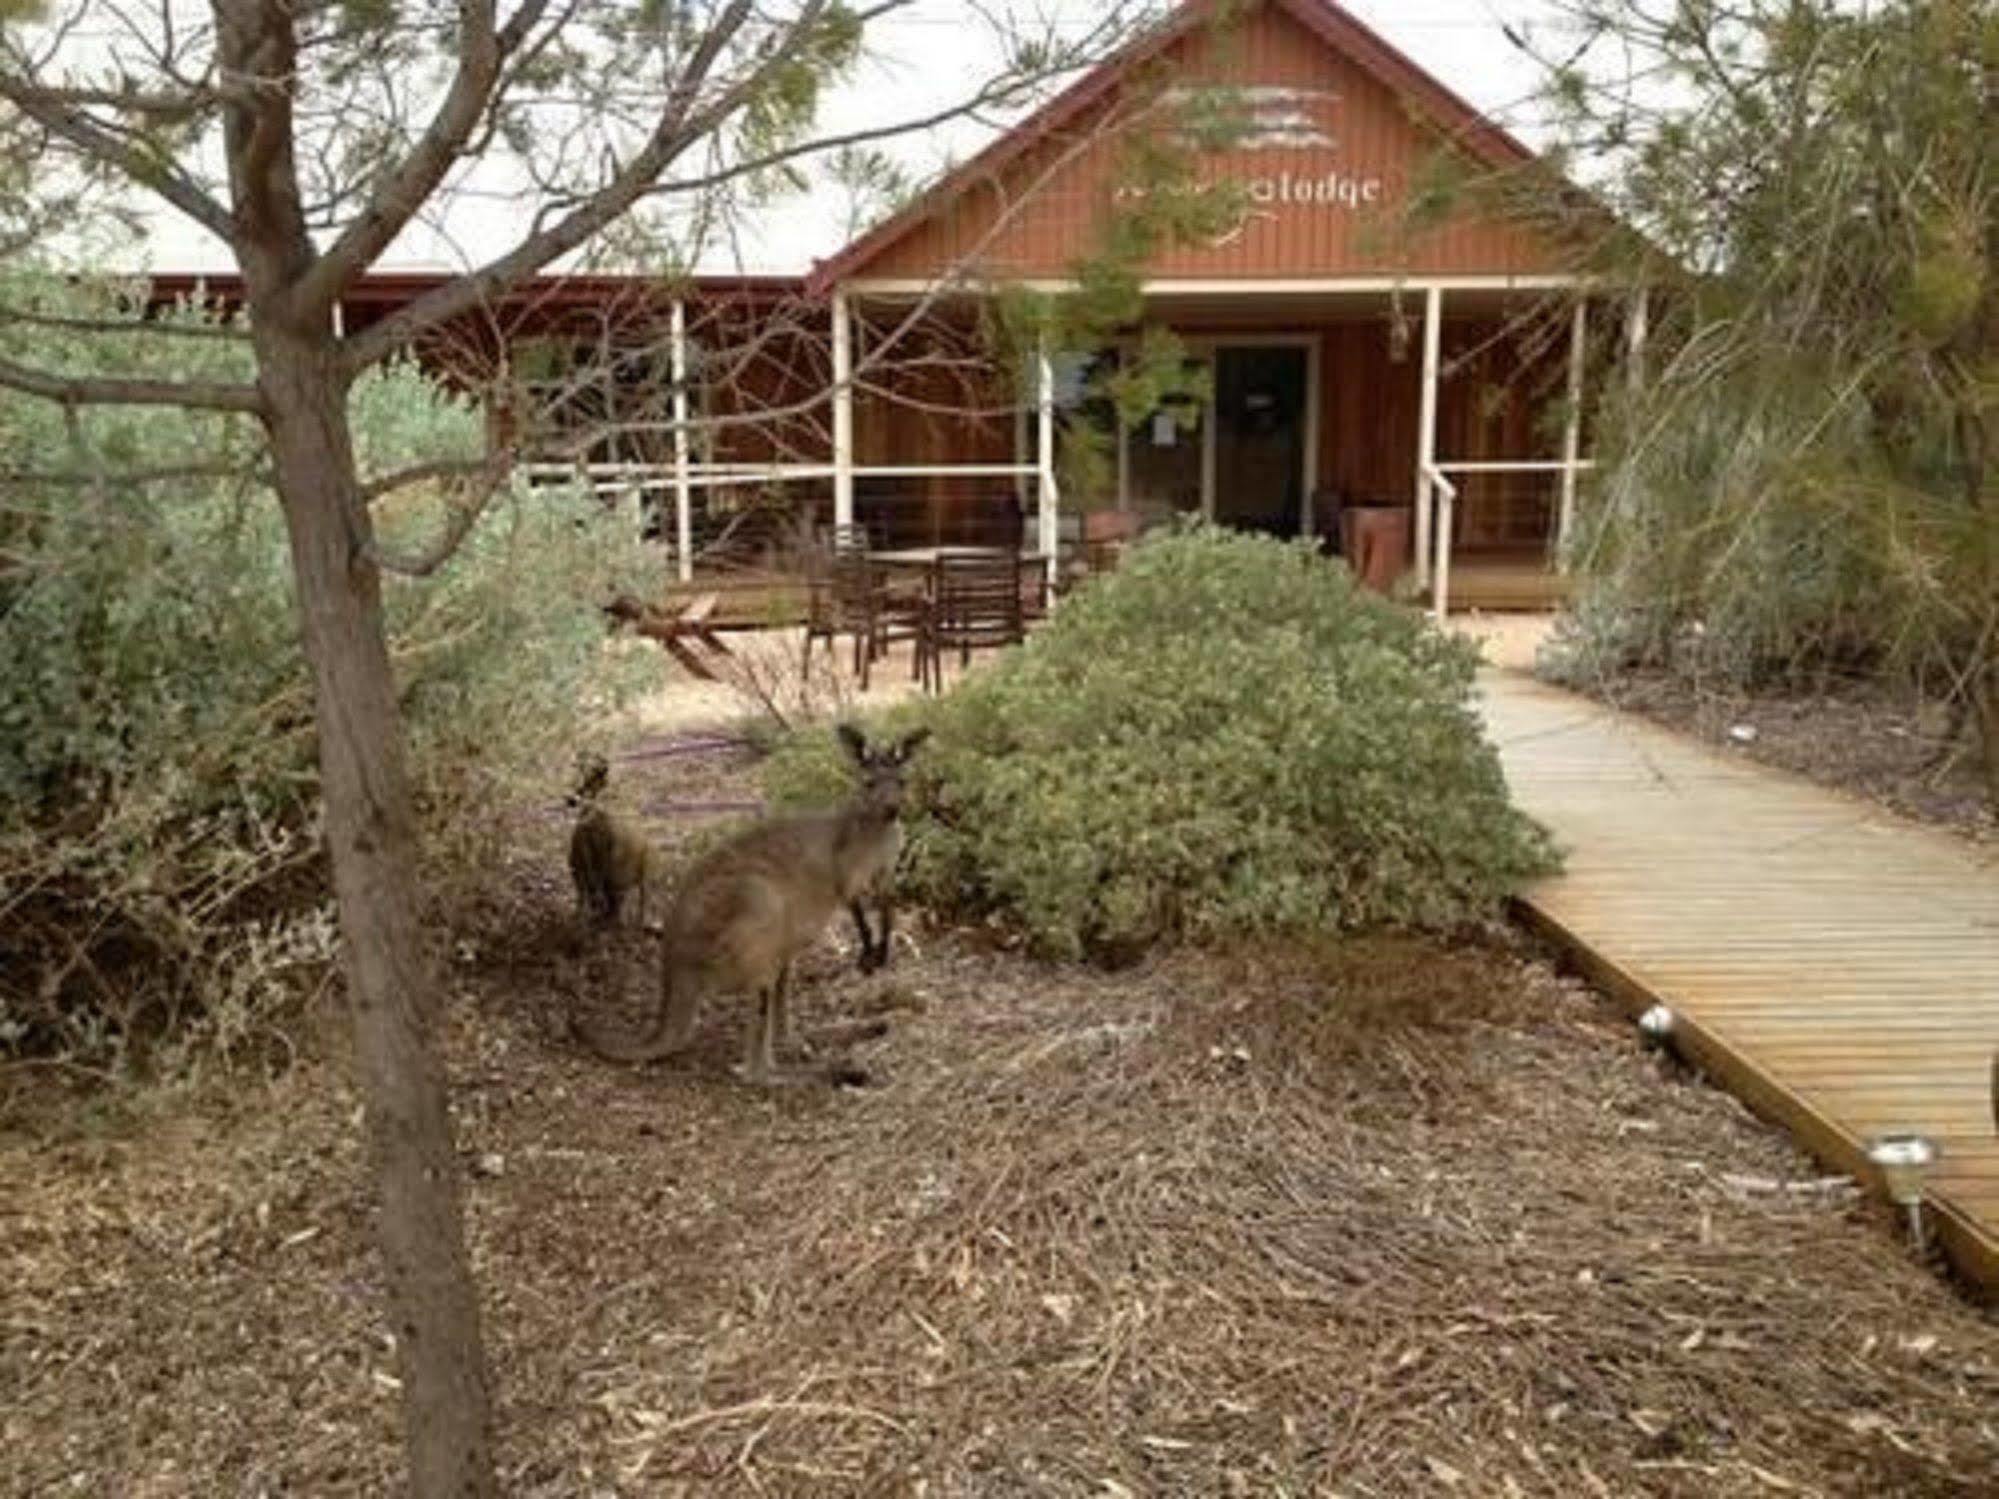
x,y
760,1049
870,948
787,1038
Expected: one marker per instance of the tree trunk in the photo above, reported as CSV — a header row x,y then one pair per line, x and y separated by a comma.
x,y
371,834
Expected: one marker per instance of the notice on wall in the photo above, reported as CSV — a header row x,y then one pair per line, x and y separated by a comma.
x,y
1165,431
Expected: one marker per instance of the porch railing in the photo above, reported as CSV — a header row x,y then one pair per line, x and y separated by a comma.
x,y
1440,519
638,480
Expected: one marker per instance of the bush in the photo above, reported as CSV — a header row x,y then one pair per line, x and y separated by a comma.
x,y
1222,740
1749,541
159,849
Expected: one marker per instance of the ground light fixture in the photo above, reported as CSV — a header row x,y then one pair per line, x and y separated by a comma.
x,y
1904,1161
1656,1025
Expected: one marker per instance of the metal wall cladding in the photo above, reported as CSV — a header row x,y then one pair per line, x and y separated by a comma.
x,y
1497,399
1329,167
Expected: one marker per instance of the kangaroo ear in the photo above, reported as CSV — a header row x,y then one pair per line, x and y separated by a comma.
x,y
911,742
855,741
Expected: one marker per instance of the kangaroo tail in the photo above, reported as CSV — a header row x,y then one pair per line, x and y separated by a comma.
x,y
668,1031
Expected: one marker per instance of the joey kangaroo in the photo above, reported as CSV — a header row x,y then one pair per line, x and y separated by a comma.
x,y
751,906
608,856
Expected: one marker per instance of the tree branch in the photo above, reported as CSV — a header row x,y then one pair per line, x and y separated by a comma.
x,y
16,478
114,325
94,391
465,512
991,94
417,473
161,106
408,186
102,144
256,48
674,132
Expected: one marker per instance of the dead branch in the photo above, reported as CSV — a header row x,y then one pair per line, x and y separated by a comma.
x,y
677,128
418,473
101,142
111,391
148,327
171,474
404,189
464,513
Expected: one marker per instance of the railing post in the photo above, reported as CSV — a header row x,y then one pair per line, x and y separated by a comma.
x,y
1426,424
1440,576
683,499
1572,429
843,412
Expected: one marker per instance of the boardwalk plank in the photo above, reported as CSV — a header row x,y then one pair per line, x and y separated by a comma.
x,y
1835,966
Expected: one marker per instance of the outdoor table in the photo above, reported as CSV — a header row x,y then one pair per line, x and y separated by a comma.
x,y
925,559
925,556
900,562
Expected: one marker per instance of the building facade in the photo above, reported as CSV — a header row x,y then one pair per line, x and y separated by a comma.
x,y
1356,353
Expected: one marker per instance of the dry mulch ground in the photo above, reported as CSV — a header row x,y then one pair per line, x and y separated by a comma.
x,y
1853,735
1390,1220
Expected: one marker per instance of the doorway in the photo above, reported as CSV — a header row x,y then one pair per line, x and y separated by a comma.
x,y
1258,481
1248,456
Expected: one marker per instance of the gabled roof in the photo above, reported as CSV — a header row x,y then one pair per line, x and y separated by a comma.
x,y
1339,30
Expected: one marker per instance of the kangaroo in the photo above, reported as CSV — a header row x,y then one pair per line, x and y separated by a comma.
x,y
751,906
608,856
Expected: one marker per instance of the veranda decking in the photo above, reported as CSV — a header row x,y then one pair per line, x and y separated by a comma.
x,y
1833,965
1506,583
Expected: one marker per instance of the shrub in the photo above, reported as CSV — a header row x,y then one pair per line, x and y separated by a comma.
x,y
159,872
1749,540
1222,740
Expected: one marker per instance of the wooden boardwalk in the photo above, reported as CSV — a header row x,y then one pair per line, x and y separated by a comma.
x,y
1836,967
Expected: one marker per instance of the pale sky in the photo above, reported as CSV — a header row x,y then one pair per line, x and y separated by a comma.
x,y
921,59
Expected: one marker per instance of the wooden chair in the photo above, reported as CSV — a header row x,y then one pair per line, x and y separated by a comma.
x,y
848,595
975,604
836,594
898,609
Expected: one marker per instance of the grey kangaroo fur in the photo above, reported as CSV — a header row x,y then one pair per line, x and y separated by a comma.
x,y
609,857
751,906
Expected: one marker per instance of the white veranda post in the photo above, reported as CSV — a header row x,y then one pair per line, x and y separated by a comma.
x,y
1049,537
1572,428
843,412
1426,426
683,500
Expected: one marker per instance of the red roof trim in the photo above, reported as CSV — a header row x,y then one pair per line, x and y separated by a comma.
x,y
1329,22
399,286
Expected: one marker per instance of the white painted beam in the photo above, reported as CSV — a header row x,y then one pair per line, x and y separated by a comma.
x,y
1050,495
1426,425
683,498
1572,430
843,412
